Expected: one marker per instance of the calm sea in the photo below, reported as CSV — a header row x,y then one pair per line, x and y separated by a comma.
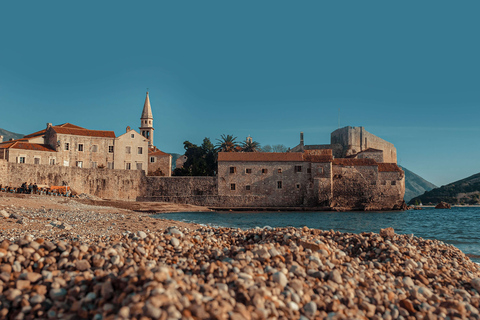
x,y
457,226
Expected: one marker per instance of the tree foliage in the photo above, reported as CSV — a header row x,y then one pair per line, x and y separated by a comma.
x,y
201,160
250,146
274,148
227,143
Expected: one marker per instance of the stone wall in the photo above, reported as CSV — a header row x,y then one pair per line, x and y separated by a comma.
x,y
180,186
357,139
104,183
361,188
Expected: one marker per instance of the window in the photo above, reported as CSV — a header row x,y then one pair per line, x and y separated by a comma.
x,y
320,170
309,170
128,150
279,184
140,150
374,183
247,188
152,159
128,166
248,170
232,186
279,170
94,164
132,136
52,161
110,165
139,166
298,168
264,171
36,160
94,148
80,164
80,147
233,169
394,182
298,185
67,146
384,182
110,149
21,160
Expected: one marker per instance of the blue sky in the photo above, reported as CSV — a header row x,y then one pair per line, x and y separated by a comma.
x,y
407,71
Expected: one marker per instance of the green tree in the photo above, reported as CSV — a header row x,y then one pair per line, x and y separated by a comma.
x,y
226,143
201,160
250,146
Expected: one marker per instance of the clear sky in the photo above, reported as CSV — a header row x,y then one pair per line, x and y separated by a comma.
x,y
408,71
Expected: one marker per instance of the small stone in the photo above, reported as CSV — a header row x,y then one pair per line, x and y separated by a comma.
x,y
32,276
4,213
310,309
335,276
280,278
407,281
82,265
124,312
175,242
476,284
387,232
293,306
36,299
58,294
141,234
22,284
11,294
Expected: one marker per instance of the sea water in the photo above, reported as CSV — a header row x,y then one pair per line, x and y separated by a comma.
x,y
459,226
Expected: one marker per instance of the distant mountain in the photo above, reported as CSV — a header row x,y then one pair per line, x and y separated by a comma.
x,y
7,135
415,185
465,191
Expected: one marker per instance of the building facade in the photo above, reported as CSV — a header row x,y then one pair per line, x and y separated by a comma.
x,y
69,145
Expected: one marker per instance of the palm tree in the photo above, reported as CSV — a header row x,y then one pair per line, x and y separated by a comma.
x,y
226,143
250,146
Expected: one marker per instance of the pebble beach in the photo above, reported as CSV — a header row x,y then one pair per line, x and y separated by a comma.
x,y
68,260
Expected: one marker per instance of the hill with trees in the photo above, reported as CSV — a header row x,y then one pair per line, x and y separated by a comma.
x,y
461,192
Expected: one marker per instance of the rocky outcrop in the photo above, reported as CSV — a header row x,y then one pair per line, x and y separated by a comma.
x,y
443,205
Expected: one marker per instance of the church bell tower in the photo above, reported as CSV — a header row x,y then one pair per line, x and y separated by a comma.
x,y
146,122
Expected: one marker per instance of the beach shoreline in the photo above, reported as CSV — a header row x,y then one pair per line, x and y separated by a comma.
x,y
66,259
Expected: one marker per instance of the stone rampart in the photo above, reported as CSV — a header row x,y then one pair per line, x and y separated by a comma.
x,y
104,183
180,186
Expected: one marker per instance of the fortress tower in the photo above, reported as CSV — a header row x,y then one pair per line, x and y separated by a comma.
x,y
146,122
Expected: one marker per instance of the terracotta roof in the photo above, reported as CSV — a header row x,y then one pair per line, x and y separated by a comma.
x,y
354,162
27,146
388,167
84,132
327,152
317,158
35,134
260,156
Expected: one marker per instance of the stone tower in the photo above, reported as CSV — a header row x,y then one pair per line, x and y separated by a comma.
x,y
146,122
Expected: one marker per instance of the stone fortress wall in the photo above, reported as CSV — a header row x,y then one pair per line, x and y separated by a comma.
x,y
104,183
357,139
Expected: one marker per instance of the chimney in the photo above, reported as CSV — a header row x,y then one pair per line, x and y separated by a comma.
x,y
49,125
1,138
301,138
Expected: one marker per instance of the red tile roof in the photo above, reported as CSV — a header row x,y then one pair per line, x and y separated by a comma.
x,y
27,146
388,167
260,156
354,162
317,158
84,132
